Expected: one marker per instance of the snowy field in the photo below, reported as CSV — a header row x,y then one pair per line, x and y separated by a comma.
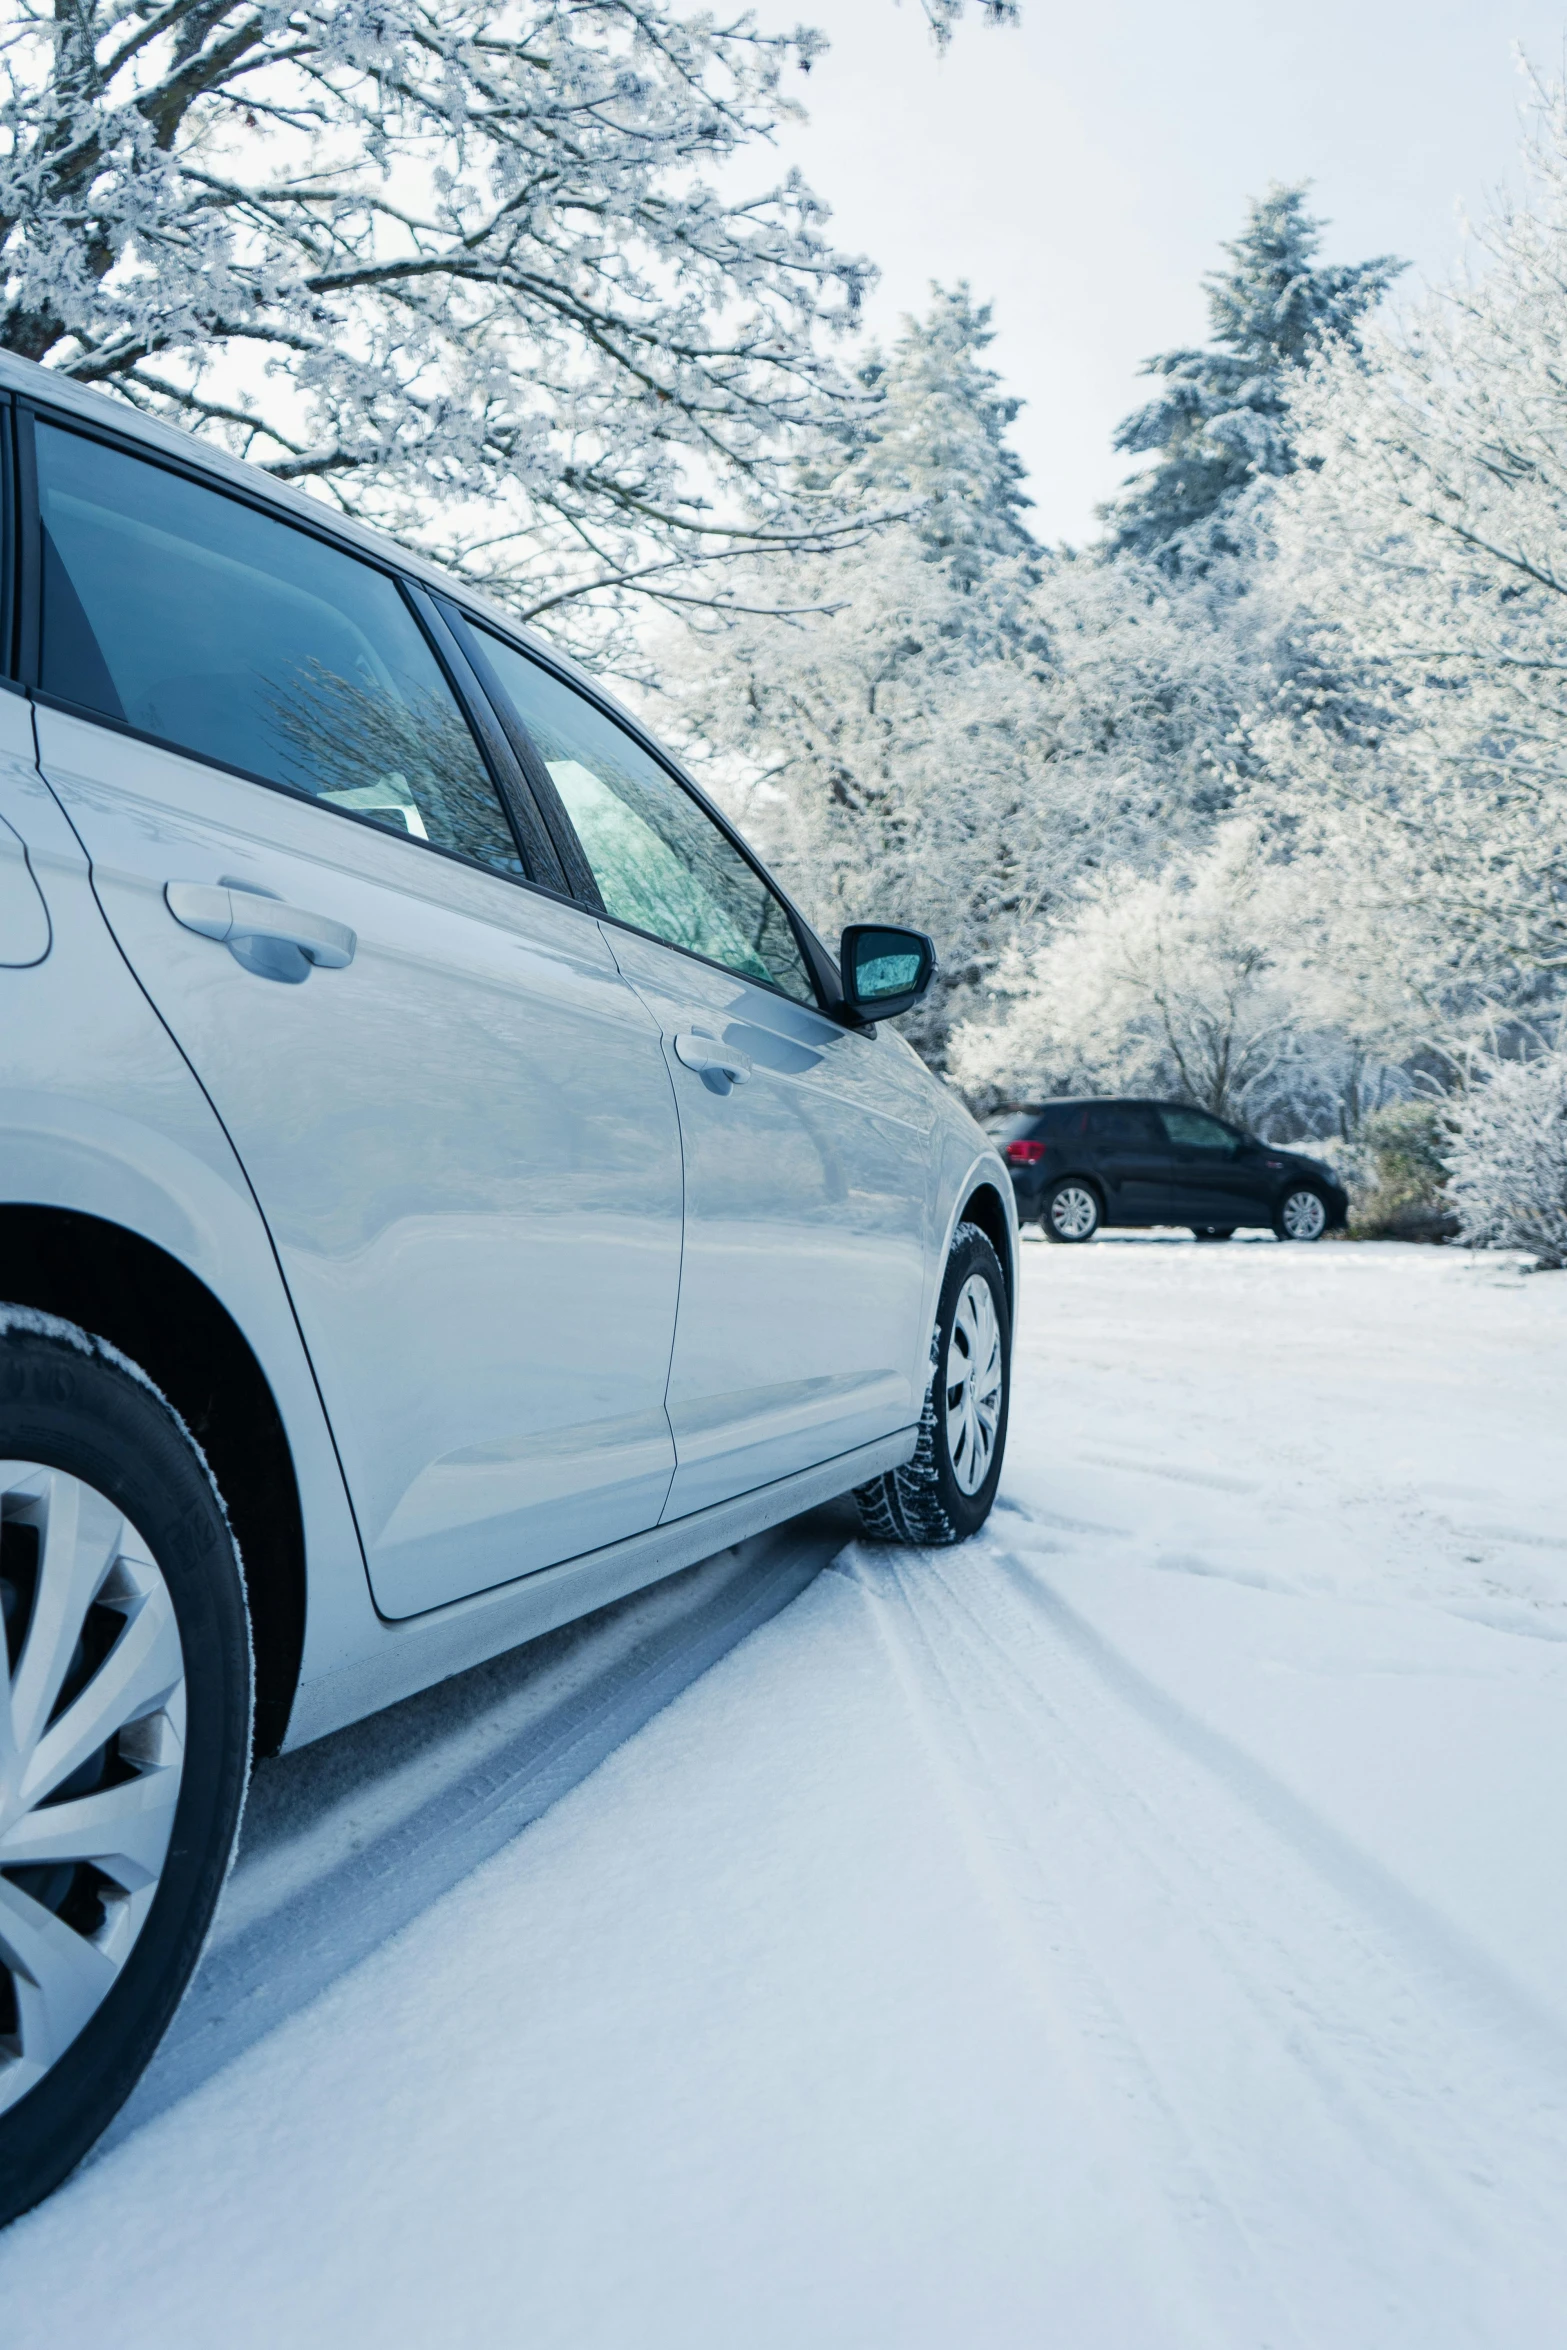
x,y
1146,1927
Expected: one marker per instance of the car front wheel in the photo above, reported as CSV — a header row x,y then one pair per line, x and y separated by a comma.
x,y
125,1699
1071,1212
944,1493
1303,1215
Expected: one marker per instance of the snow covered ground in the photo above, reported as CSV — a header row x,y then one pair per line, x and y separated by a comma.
x,y
1145,1927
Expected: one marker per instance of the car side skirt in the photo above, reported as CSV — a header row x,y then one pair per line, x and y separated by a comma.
x,y
418,1651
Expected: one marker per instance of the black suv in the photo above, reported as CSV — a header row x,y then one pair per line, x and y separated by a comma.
x,y
1077,1165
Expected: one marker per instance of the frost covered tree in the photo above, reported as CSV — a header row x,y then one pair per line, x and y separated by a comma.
x,y
1508,1159
1200,981
1425,726
967,723
465,268
1221,419
884,745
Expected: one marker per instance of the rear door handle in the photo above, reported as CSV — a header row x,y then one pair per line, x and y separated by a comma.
x,y
708,1056
232,914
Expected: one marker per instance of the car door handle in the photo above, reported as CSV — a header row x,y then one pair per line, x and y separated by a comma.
x,y
705,1054
231,914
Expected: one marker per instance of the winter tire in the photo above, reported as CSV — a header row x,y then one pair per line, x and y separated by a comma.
x,y
1303,1215
945,1493
1071,1212
1213,1232
125,1704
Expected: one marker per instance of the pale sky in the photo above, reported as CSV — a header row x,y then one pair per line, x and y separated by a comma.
x,y
1081,170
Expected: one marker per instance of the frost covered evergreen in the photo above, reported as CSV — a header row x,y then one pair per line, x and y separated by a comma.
x,y
1508,1159
1221,419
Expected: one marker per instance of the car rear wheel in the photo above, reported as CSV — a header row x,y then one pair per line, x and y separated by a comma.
x,y
1071,1212
125,1700
1303,1215
945,1492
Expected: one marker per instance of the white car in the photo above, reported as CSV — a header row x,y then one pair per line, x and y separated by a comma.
x,y
444,1186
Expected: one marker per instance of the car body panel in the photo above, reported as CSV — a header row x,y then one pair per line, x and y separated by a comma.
x,y
121,1098
120,1130
466,1135
805,1223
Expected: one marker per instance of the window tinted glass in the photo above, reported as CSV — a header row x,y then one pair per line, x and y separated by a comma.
x,y
1056,1122
1194,1130
1123,1126
660,861
212,626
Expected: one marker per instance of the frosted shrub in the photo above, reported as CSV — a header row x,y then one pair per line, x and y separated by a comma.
x,y
1401,1191
1508,1160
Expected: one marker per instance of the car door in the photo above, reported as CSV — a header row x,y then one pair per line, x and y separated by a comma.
x,y
1135,1163
454,1111
1218,1180
808,1146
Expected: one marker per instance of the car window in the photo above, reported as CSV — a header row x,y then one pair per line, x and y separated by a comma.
x,y
1125,1126
1012,1125
659,860
193,617
1194,1130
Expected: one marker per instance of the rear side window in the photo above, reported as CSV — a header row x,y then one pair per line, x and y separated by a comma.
x,y
1014,1126
1126,1126
194,618
1056,1122
1194,1130
660,862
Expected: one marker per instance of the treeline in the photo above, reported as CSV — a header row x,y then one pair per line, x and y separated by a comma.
x,y
1262,798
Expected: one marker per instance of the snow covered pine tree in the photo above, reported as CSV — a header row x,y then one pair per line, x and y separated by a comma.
x,y
1221,417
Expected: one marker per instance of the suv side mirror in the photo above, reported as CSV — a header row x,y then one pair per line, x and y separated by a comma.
x,y
885,971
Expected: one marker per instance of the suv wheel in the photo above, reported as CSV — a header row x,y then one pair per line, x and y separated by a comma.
x,y
1303,1215
945,1492
125,1697
1071,1211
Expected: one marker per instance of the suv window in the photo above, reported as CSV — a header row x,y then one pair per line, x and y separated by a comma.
x,y
1012,1126
1194,1130
660,862
1126,1126
193,617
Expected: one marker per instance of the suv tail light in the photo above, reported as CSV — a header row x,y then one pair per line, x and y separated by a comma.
x,y
1024,1154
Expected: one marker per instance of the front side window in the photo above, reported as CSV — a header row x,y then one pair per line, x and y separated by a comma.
x,y
660,862
1194,1130
219,629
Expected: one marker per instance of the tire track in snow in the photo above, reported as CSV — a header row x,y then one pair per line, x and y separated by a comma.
x,y
1357,2122
505,1741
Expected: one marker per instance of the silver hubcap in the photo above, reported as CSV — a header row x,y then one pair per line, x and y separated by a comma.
x,y
92,1746
1304,1216
972,1392
1074,1211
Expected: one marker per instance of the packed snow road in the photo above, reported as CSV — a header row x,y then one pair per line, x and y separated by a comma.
x,y
1145,1927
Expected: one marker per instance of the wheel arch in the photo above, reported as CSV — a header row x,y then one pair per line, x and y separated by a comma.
x,y
123,1287
985,1207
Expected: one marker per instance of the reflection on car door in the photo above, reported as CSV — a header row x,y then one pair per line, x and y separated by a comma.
x,y
464,1139
808,1174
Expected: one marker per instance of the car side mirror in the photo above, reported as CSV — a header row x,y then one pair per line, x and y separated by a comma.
x,y
885,971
